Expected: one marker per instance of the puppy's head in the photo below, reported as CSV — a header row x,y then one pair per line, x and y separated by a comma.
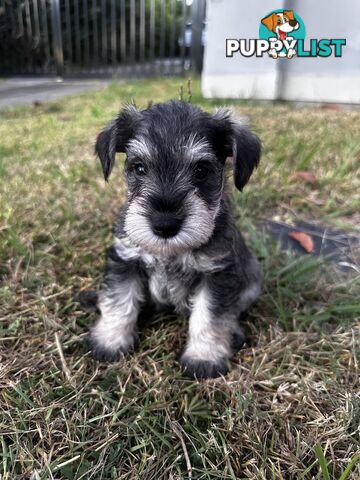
x,y
281,23
175,158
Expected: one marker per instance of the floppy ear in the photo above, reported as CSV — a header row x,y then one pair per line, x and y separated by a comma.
x,y
270,21
246,154
115,137
289,14
236,140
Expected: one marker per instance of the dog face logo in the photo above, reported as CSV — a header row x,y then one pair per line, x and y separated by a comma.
x,y
281,23
282,27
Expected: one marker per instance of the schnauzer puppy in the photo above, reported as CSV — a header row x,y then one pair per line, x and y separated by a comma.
x,y
176,241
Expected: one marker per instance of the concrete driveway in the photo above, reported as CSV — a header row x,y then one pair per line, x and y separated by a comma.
x,y
27,90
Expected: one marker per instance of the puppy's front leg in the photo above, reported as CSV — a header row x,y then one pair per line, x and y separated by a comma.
x,y
273,53
211,336
114,334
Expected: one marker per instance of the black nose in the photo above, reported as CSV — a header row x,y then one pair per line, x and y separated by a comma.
x,y
165,225
293,23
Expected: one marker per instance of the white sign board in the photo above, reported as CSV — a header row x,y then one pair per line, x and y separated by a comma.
x,y
317,78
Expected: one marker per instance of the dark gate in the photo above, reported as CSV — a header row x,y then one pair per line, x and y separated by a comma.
x,y
72,37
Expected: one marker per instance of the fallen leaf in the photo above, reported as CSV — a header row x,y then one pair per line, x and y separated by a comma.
x,y
307,177
304,239
330,106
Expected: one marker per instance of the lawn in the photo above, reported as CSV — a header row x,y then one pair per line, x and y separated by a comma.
x,y
289,408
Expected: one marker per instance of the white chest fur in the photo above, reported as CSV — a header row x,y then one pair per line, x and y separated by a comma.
x,y
170,280
167,290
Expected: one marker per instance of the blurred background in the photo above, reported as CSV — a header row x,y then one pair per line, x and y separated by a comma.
x,y
138,38
95,37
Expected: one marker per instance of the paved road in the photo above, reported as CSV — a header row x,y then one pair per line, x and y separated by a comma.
x,y
22,91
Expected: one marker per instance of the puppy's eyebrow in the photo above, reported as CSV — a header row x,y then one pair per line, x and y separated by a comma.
x,y
197,147
140,147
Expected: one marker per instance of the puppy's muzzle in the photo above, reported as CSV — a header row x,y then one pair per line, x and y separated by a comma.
x,y
166,225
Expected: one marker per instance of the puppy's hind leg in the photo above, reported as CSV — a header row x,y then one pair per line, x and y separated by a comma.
x,y
114,334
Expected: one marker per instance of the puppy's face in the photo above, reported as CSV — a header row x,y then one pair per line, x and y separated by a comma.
x,y
175,156
281,23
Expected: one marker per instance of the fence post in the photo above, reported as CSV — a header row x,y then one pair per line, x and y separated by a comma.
x,y
198,16
57,37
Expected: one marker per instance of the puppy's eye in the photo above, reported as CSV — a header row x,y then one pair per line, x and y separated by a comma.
x,y
279,21
201,171
139,169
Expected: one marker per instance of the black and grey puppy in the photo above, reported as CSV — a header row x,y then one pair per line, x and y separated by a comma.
x,y
176,242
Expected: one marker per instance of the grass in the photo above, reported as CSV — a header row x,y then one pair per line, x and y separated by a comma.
x,y
289,409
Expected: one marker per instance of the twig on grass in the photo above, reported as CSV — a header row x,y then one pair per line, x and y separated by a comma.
x,y
177,432
64,366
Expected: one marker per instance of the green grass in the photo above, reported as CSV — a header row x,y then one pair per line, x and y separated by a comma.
x,y
290,407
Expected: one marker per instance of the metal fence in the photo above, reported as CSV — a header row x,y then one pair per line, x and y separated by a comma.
x,y
126,37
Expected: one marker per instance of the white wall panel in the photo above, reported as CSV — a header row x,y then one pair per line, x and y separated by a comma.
x,y
309,79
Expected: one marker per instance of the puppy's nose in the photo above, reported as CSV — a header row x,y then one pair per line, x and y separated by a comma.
x,y
293,23
165,225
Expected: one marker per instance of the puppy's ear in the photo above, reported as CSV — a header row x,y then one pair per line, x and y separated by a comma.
x,y
115,137
246,154
289,14
270,21
236,140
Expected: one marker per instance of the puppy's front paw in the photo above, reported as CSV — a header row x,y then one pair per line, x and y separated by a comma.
x,y
291,53
111,350
273,53
203,368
